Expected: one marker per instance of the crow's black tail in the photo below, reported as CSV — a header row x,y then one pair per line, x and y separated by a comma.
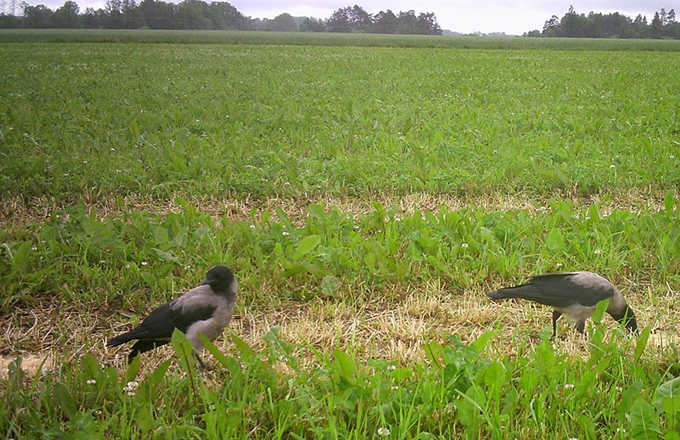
x,y
125,337
525,291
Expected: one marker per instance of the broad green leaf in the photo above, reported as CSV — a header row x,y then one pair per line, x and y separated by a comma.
x,y
216,352
21,255
133,369
667,390
166,256
555,240
628,397
642,343
157,375
487,235
247,353
184,351
345,364
484,339
307,245
65,400
644,423
330,285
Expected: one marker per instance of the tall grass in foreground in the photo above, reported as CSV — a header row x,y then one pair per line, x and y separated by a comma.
x,y
458,393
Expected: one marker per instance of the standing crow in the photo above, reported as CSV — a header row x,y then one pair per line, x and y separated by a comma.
x,y
206,309
574,294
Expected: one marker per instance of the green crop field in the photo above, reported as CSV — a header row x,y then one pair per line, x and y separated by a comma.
x,y
367,194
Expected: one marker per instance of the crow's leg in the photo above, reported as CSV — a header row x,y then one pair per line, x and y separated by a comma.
x,y
581,327
202,364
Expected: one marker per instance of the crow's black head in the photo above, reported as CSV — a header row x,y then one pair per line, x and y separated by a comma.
x,y
220,279
627,317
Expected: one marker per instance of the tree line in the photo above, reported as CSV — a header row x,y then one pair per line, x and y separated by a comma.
x,y
217,15
614,25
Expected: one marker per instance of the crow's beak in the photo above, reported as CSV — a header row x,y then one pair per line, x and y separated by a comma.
x,y
207,280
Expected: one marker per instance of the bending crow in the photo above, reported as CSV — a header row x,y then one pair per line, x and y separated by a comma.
x,y
574,294
206,309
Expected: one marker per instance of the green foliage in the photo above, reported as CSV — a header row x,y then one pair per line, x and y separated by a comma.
x,y
86,257
327,39
439,121
457,392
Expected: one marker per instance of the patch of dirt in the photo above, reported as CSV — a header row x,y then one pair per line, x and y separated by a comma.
x,y
31,363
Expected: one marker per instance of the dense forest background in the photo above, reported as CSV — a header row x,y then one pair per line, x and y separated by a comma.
x,y
614,25
197,14
219,15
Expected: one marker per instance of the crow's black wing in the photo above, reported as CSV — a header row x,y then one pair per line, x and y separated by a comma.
x,y
563,290
163,321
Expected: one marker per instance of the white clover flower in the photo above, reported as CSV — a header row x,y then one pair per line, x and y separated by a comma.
x,y
132,385
286,233
113,149
559,265
397,219
597,252
569,386
383,432
131,393
619,389
391,368
118,171
144,263
672,156
127,266
34,248
612,166
252,226
395,388
356,228
464,245
92,382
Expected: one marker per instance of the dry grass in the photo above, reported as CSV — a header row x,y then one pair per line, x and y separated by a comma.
x,y
394,327
18,210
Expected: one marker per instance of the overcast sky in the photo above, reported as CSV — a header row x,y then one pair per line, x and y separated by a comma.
x,y
509,16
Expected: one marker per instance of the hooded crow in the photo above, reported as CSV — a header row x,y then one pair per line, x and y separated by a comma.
x,y
206,309
574,294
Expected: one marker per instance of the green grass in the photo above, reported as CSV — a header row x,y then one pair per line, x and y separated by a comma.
x,y
459,393
294,121
81,255
326,39
90,126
